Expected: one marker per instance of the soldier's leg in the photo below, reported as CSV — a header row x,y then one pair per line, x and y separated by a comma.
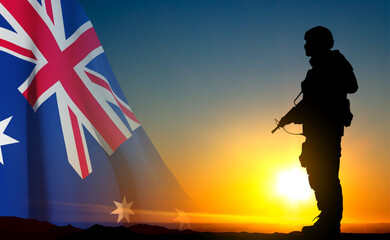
x,y
332,202
322,165
327,189
310,159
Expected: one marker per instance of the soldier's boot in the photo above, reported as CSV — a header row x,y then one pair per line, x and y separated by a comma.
x,y
324,228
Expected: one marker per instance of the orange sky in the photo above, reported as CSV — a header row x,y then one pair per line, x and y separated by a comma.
x,y
233,169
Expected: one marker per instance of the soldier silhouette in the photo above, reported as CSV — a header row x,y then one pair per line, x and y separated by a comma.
x,y
324,111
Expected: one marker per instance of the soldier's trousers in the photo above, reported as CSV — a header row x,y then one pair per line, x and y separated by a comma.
x,y
321,158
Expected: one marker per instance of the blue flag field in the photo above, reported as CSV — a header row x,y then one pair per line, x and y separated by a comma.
x,y
71,149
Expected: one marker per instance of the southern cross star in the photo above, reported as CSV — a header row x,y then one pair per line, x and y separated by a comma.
x,y
123,210
4,139
183,219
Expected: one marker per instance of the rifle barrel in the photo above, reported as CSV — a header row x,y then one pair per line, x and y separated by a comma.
x,y
277,127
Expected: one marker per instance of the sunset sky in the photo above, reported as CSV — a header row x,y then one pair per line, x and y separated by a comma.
x,y
207,78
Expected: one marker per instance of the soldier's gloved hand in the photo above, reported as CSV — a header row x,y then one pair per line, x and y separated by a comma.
x,y
283,122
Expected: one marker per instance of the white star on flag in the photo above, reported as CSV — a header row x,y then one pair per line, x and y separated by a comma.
x,y
123,210
4,139
183,219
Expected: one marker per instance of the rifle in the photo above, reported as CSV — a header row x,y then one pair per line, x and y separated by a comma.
x,y
278,122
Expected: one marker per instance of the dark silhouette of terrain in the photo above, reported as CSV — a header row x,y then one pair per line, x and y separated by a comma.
x,y
17,228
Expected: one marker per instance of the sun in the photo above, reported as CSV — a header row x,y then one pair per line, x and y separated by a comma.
x,y
294,185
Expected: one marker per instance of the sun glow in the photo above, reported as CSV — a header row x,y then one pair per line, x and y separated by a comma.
x,y
294,184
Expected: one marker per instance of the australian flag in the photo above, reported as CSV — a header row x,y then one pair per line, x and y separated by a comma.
x,y
70,145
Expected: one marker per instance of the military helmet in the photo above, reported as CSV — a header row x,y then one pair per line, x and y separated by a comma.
x,y
321,36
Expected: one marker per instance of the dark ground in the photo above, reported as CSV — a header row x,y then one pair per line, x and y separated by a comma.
x,y
16,228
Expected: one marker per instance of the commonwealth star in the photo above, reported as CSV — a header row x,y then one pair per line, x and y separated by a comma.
x,y
5,139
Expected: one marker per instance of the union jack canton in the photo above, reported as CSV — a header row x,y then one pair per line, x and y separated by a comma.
x,y
85,98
